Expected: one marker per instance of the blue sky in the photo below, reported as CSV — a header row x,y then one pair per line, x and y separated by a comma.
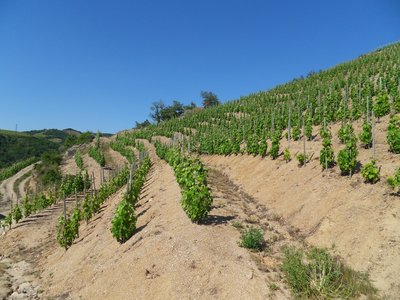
x,y
98,65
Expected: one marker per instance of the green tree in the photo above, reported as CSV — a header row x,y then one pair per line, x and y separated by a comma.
x,y
209,99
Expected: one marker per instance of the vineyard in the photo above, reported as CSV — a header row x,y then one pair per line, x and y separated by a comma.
x,y
287,193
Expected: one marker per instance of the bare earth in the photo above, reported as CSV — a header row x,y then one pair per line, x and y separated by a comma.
x,y
7,190
360,220
169,257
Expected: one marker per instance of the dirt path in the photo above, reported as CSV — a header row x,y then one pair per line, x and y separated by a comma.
x,y
7,190
22,186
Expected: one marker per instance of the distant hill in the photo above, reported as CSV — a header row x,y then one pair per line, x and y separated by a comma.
x,y
16,146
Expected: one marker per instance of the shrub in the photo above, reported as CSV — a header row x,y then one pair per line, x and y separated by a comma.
x,y
191,176
347,158
394,181
17,213
65,232
316,274
370,172
302,158
366,135
253,238
393,134
275,145
286,155
326,155
123,224
79,160
381,106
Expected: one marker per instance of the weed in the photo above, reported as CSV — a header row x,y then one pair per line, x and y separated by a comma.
x,y
316,274
253,238
237,224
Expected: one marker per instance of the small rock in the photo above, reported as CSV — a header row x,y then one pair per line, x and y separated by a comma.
x,y
250,275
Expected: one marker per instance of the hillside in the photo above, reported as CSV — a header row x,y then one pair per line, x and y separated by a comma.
x,y
255,163
17,146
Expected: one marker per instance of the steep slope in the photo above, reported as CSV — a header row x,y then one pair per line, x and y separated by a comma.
x,y
360,220
168,256
7,190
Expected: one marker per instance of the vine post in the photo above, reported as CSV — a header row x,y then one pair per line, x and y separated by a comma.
x,y
304,143
373,137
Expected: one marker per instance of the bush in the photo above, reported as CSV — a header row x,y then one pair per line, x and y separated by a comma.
x,y
394,181
275,145
326,155
17,213
316,274
302,158
366,135
65,232
370,172
123,224
191,176
393,134
286,155
253,238
347,158
79,159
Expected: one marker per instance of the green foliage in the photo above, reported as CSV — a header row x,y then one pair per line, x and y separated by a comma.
x,y
17,213
97,155
296,133
286,155
76,217
48,170
263,146
65,232
347,158
308,128
345,133
121,145
72,183
316,274
78,139
79,160
191,175
209,99
8,220
393,134
253,238
274,152
366,135
326,155
381,105
17,146
28,207
302,159
371,172
394,181
15,168
123,224
226,129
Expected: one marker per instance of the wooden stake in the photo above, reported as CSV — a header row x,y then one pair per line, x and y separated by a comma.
x,y
373,137
304,143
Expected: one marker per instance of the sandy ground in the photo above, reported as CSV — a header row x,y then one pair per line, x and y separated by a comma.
x,y
360,220
169,257
7,190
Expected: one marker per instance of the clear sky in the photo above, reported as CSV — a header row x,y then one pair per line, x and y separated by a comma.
x,y
98,65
